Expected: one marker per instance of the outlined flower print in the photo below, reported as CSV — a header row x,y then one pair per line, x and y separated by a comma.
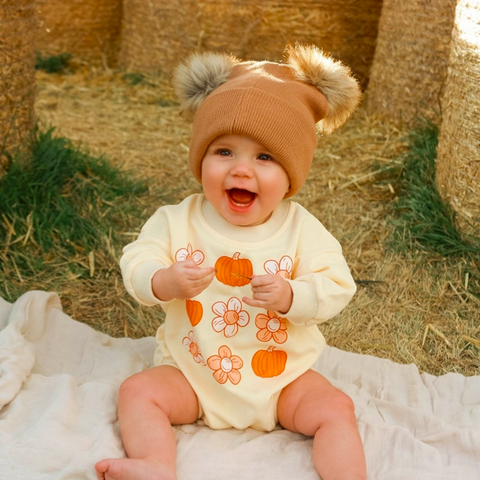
x,y
283,268
189,254
229,317
271,326
225,366
192,347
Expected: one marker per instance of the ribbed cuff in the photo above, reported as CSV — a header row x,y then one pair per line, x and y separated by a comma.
x,y
304,305
142,282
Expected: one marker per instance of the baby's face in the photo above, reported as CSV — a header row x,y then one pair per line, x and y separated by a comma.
x,y
242,180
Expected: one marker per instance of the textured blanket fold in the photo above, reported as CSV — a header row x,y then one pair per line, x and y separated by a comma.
x,y
58,394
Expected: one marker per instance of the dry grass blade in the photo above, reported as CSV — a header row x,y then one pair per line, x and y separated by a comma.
x,y
473,341
437,332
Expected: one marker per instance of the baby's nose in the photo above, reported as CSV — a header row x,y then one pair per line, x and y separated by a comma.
x,y
242,167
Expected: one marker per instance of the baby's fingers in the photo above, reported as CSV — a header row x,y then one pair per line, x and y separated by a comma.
x,y
197,273
208,274
259,281
251,302
201,283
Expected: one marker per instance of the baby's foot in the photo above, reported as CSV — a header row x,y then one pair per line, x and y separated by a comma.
x,y
132,469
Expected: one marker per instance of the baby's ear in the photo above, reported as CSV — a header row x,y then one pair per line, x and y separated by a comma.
x,y
199,76
331,77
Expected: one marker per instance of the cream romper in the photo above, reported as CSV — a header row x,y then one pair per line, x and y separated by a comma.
x,y
238,358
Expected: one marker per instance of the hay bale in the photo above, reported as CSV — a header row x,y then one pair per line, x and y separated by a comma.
x,y
87,29
157,34
411,58
17,75
458,153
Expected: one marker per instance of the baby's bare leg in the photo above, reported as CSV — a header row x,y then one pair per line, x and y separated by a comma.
x,y
148,404
313,406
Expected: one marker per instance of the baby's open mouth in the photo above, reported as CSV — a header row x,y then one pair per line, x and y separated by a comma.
x,y
241,197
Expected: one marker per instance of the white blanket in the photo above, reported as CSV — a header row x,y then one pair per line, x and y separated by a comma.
x,y
58,388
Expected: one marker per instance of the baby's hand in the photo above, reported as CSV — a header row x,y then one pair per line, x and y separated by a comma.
x,y
270,292
181,280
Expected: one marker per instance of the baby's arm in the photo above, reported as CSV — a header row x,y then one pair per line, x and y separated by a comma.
x,y
321,284
150,273
181,280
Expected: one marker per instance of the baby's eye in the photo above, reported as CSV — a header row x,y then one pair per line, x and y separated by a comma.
x,y
224,152
265,156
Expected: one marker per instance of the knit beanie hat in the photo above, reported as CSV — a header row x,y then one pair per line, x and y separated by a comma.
x,y
280,105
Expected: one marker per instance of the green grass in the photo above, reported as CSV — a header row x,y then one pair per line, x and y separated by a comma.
x,y
54,63
59,204
420,215
421,220
133,78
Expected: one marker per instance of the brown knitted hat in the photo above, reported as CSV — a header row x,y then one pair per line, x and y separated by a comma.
x,y
279,105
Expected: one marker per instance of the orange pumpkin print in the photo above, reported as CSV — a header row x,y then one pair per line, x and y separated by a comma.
x,y
194,311
234,271
269,363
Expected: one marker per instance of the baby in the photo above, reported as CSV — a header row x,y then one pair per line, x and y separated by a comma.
x,y
244,275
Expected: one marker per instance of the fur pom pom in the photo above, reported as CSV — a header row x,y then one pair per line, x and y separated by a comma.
x,y
199,76
332,78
